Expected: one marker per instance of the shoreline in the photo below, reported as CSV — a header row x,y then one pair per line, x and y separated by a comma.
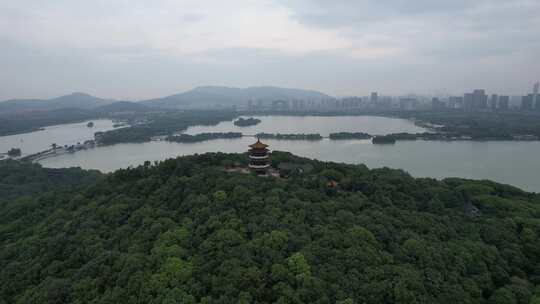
x,y
345,136
50,153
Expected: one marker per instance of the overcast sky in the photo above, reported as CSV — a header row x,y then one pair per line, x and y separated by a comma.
x,y
137,49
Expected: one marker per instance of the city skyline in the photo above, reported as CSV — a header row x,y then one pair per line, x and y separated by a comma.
x,y
371,95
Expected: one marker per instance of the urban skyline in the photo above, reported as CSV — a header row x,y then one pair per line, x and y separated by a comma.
x,y
478,99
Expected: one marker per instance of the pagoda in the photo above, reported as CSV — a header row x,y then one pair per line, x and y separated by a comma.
x,y
258,157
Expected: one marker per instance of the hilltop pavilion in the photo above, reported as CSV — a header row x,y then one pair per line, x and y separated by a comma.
x,y
259,157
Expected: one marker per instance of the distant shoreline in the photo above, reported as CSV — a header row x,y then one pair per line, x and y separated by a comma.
x,y
24,132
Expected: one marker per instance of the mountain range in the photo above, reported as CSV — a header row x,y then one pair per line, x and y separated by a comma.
x,y
197,98
74,100
212,96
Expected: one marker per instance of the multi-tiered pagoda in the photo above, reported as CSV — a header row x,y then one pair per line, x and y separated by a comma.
x,y
259,157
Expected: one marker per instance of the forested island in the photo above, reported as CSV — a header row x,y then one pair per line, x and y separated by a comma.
x,y
14,152
444,125
393,137
383,139
349,135
509,125
189,230
241,122
162,124
454,124
146,123
300,136
187,138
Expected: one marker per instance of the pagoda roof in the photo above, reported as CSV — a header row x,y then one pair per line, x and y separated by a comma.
x,y
258,145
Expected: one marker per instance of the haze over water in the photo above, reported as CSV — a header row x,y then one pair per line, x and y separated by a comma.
x,y
506,162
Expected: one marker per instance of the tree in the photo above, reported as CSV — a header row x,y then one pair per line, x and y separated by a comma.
x,y
187,231
220,196
298,266
14,152
502,296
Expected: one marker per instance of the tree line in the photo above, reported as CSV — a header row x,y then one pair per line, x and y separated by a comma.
x,y
186,230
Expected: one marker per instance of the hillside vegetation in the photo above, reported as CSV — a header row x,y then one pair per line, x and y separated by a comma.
x,y
188,231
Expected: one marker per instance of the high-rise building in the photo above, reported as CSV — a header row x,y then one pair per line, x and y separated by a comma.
x,y
493,101
385,103
504,102
527,102
408,103
280,105
349,102
468,101
374,97
436,103
476,100
455,102
536,97
480,99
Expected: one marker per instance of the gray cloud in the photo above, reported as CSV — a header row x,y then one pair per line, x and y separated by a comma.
x,y
422,26
141,49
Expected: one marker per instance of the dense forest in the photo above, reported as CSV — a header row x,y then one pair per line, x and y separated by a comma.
x,y
251,121
383,139
188,138
279,136
19,179
163,124
349,135
481,125
194,230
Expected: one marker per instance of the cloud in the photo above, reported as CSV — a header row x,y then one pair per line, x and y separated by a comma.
x,y
139,49
467,29
181,27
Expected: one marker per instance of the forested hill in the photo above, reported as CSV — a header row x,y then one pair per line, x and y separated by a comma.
x,y
188,231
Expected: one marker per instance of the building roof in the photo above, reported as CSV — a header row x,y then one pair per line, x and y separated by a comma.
x,y
258,145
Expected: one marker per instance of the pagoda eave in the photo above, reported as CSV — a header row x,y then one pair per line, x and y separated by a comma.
x,y
259,166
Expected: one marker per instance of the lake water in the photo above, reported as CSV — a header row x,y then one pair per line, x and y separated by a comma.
x,y
67,134
316,124
514,163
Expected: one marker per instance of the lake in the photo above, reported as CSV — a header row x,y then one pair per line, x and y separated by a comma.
x,y
66,134
323,125
509,162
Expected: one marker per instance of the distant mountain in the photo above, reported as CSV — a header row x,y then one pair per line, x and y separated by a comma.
x,y
74,100
198,98
122,107
212,96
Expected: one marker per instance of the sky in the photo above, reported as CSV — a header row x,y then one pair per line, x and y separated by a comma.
x,y
139,49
